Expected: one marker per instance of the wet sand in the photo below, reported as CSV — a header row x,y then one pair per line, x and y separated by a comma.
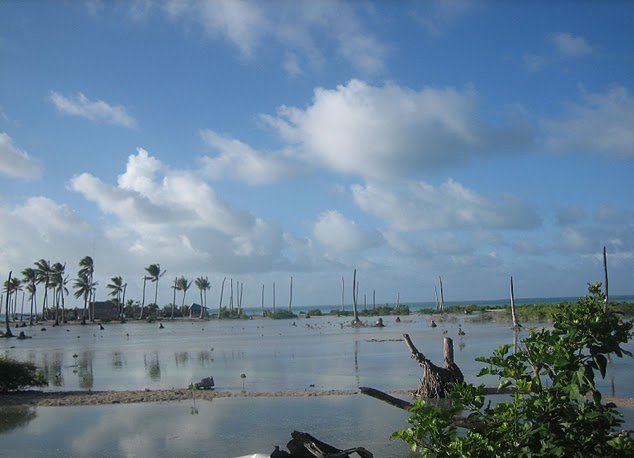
x,y
81,398
77,398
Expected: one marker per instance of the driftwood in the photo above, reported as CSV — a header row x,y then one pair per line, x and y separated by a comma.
x,y
435,381
303,445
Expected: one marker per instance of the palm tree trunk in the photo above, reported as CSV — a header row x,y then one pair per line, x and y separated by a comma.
x,y
174,300
143,298
8,332
31,314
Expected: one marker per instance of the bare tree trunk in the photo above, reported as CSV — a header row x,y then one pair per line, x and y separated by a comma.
x,y
290,299
436,381
343,288
125,287
262,299
273,297
437,300
231,295
355,320
222,289
174,299
143,298
442,297
605,271
516,325
374,300
398,299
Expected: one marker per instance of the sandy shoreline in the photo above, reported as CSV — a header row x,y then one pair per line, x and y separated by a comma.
x,y
77,398
84,398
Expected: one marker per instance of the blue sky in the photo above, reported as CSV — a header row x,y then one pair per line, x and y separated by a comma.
x,y
260,140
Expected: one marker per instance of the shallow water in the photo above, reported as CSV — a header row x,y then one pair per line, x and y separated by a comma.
x,y
219,428
319,353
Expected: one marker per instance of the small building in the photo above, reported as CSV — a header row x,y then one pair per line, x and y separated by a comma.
x,y
104,310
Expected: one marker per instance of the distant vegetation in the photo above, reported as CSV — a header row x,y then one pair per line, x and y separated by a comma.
x,y
279,314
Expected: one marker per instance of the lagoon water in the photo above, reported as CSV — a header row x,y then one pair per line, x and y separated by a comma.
x,y
320,353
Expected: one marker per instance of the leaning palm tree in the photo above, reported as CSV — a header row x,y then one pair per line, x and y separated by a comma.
x,y
87,269
11,289
145,279
202,283
183,285
29,277
8,332
83,287
15,285
58,283
43,269
154,273
116,288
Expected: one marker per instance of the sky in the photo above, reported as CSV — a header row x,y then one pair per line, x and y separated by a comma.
x,y
259,140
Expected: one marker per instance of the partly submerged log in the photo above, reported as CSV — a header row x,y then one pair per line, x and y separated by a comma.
x,y
435,381
303,445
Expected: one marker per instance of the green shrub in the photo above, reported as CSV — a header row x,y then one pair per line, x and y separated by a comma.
x,y
279,314
554,409
314,312
15,375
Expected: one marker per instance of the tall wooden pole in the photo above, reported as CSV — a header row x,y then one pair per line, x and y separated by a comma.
x,y
343,289
290,298
442,296
605,271
262,300
516,324
354,297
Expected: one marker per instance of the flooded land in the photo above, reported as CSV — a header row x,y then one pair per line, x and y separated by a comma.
x,y
124,390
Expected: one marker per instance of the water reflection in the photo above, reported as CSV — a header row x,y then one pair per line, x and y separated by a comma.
x,y
52,368
152,365
15,417
181,358
275,355
204,358
84,370
219,429
117,360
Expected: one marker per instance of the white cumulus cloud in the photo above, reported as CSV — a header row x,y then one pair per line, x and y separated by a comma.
x,y
174,215
301,29
341,234
98,111
390,131
599,123
238,160
570,45
415,206
16,162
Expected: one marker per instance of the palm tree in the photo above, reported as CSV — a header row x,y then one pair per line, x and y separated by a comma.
x,y
29,277
202,283
182,285
8,332
43,269
116,288
154,273
58,283
14,286
87,269
11,287
83,287
145,279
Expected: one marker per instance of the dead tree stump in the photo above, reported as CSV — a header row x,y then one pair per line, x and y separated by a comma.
x,y
435,381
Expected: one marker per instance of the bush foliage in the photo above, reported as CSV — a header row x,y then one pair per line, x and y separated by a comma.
x,y
554,410
15,375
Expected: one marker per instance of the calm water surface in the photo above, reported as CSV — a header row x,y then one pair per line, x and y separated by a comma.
x,y
306,354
